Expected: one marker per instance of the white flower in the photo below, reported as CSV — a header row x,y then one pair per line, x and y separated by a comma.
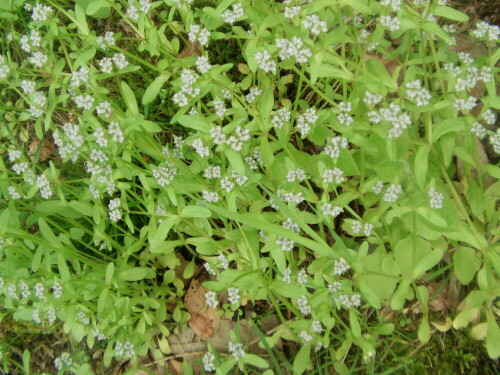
x,y
368,229
220,109
293,48
306,120
230,16
115,131
223,261
84,102
356,226
489,117
198,34
495,141
165,175
44,187
120,60
290,225
212,172
38,59
40,291
290,12
82,317
208,362
27,87
13,193
280,117
296,175
40,13
340,267
478,129
394,4
209,269
64,360
106,64
57,290
51,315
392,23
418,93
345,119
336,144
104,109
314,24
285,243
80,77
436,199
287,276
304,307
226,184
203,64
25,289
486,31
106,40
316,327
334,287
331,175
253,94
465,104
392,193
377,189
264,59
328,210
466,58
210,196
302,277
14,155
236,349
233,295
306,337
200,148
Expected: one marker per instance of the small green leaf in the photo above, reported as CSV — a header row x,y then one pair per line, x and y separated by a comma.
x,y
195,122
129,98
133,274
465,264
110,270
427,263
302,360
154,88
450,13
421,166
195,211
355,327
424,331
399,297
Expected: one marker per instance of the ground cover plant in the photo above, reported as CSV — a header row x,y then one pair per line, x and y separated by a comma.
x,y
247,186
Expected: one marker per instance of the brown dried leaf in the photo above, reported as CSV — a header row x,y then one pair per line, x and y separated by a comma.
x,y
48,148
190,49
201,325
194,300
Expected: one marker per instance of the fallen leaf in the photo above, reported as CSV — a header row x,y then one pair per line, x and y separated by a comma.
x,y
190,49
47,149
194,300
201,325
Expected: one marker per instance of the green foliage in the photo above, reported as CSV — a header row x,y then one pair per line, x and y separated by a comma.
x,y
318,162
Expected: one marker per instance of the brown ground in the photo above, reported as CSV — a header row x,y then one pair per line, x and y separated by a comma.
x,y
486,10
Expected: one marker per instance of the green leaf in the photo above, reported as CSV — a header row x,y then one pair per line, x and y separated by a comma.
x,y
48,234
235,160
110,270
465,264
255,360
399,297
452,125
421,166
135,274
101,302
154,88
450,13
492,337
266,102
464,317
37,258
424,331
427,263
195,122
161,233
353,320
129,98
195,211
302,359
434,28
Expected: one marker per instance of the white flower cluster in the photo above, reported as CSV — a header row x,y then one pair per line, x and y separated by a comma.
x,y
495,141
394,4
116,132
328,210
39,291
290,12
344,117
57,290
212,172
290,225
392,193
333,175
210,196
392,23
104,109
280,117
106,40
306,337
208,362
230,16
334,287
237,140
28,43
486,31
287,276
285,243
38,59
347,303
357,225
253,94
306,120
296,175
393,115
302,277
39,101
211,299
133,8
64,360
125,350
335,145
436,199
80,77
36,316
293,48
304,307
199,34
465,104
44,187
69,142
478,129
203,65
314,24
27,87
84,102
188,78
40,13
209,269
236,350
200,148
264,59
254,160
228,183
114,212
489,117
340,267
25,289
223,261
98,335
82,317
289,197
164,175
418,93
233,295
